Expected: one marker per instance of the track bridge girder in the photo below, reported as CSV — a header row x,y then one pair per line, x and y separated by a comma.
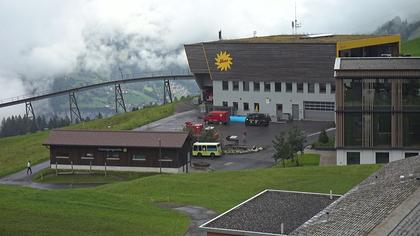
x,y
30,113
167,91
74,108
119,98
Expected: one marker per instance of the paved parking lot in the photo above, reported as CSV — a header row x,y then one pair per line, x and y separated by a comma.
x,y
259,136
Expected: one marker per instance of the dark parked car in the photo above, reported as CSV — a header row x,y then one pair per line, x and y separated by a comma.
x,y
257,119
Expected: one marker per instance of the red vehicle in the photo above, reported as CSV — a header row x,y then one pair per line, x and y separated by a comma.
x,y
221,117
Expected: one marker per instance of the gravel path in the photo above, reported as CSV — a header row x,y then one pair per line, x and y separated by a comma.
x,y
22,179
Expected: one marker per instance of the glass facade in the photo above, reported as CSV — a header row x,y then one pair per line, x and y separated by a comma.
x,y
371,108
382,129
382,93
411,94
352,92
353,122
411,129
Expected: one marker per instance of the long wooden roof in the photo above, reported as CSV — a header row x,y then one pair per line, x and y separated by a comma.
x,y
116,138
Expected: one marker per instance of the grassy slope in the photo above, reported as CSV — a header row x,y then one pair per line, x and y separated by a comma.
x,y
16,151
411,47
129,208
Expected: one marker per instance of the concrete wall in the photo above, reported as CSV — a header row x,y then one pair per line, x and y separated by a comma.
x,y
268,100
368,156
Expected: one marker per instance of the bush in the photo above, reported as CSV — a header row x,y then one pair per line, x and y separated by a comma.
x,y
323,137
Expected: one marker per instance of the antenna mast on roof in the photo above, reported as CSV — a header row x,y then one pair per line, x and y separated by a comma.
x,y
295,23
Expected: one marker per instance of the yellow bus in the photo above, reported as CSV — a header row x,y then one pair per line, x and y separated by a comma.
x,y
206,149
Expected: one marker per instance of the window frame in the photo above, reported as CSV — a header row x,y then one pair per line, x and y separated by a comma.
x,y
287,87
256,88
225,85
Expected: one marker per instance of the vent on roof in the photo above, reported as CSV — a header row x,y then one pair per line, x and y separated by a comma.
x,y
318,36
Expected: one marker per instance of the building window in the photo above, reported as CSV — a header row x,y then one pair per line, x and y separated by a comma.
x,y
411,93
352,92
224,103
353,158
382,157
411,129
311,88
246,106
382,93
277,86
113,156
289,87
235,105
353,123
256,107
410,154
256,86
87,156
225,85
381,129
322,88
267,87
245,85
332,88
235,86
139,157
318,106
300,87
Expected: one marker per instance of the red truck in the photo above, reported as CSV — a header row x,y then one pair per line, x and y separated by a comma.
x,y
221,117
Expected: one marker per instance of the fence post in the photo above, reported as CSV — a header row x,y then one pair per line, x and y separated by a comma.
x,y
72,170
56,169
105,168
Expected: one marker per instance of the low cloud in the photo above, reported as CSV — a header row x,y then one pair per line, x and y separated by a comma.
x,y
46,39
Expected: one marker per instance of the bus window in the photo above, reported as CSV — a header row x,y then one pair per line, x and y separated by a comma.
x,y
195,148
199,148
204,148
212,148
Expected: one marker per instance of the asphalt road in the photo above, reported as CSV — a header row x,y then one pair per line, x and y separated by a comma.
x,y
258,136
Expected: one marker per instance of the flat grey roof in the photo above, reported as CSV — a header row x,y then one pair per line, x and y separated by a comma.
x,y
377,63
264,213
366,206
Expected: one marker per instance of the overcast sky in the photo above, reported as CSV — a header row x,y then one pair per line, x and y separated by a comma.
x,y
42,38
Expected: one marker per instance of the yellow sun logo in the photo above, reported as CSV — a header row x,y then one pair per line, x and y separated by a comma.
x,y
223,61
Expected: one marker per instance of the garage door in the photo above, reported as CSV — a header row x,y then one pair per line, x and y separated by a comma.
x,y
318,110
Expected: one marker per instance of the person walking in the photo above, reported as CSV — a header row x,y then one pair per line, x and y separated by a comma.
x,y
29,170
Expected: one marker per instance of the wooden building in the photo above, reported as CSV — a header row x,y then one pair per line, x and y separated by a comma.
x,y
120,150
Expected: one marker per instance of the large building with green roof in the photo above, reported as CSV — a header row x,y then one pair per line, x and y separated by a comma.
x,y
286,76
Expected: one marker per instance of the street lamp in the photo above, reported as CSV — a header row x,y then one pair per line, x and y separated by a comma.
x,y
160,155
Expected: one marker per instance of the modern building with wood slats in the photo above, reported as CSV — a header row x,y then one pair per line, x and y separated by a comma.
x,y
119,150
282,75
378,109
